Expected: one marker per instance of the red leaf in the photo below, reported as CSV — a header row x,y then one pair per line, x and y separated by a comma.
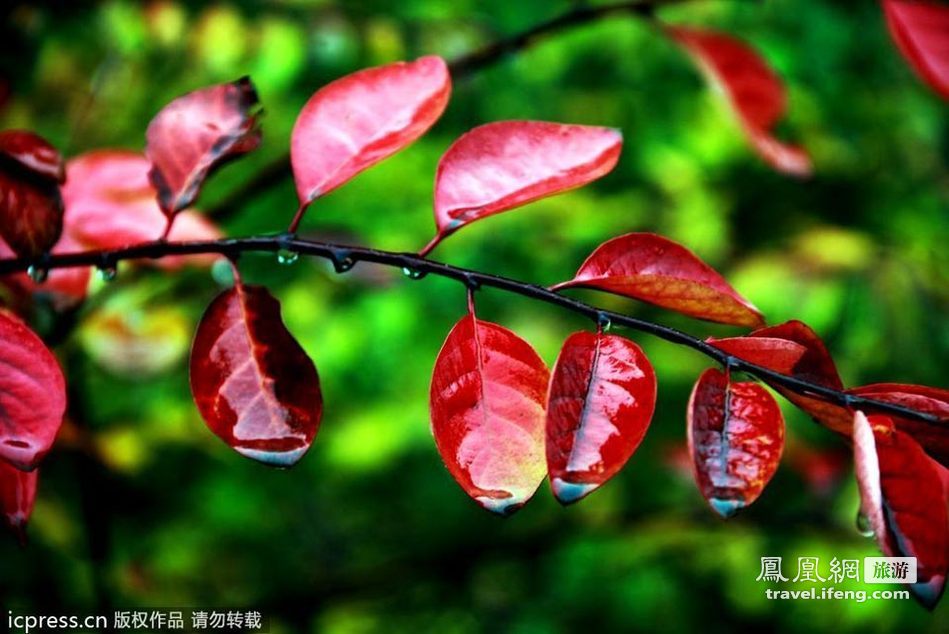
x,y
775,354
31,209
194,134
32,394
487,401
601,400
736,435
34,153
503,165
753,90
252,382
17,495
110,203
358,120
929,400
902,495
815,366
921,31
652,269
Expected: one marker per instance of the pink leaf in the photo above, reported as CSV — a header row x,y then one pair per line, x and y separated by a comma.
x,y
32,394
753,90
503,165
110,204
487,403
601,400
358,120
653,269
195,133
921,31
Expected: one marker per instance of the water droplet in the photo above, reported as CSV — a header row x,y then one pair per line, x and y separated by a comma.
x,y
343,263
603,322
863,524
413,274
37,273
107,273
287,256
222,272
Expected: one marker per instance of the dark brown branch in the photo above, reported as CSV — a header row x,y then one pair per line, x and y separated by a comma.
x,y
344,257
464,66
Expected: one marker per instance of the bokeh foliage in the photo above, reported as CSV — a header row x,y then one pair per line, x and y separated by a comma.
x,y
369,533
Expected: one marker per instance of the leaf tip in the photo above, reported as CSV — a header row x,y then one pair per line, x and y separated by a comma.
x,y
929,592
570,492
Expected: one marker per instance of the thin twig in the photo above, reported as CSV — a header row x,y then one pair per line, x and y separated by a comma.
x,y
346,255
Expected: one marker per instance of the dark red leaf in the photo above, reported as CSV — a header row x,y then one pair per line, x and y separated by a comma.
x,y
31,209
601,400
358,120
653,269
34,153
816,366
17,495
921,31
110,203
503,165
32,394
775,354
754,91
252,382
902,495
929,400
736,436
488,393
195,133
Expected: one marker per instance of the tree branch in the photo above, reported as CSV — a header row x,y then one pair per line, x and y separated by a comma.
x,y
464,66
343,257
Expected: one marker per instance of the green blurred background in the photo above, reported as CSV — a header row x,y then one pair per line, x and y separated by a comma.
x,y
143,506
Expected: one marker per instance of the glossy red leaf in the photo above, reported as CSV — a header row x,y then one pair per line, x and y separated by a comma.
x,y
31,209
930,400
32,394
656,270
110,203
754,92
252,382
33,153
17,496
921,31
816,366
601,400
503,165
194,134
358,120
487,399
780,355
901,493
736,436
